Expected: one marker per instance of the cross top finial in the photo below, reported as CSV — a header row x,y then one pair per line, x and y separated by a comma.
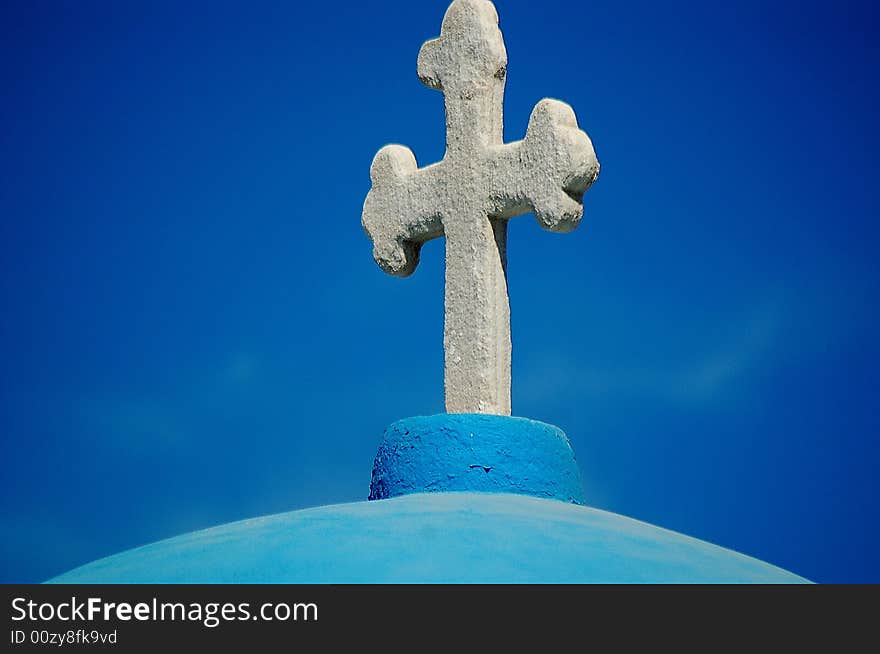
x,y
468,62
470,195
469,50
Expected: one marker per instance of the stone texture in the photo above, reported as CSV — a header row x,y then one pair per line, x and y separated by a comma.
x,y
474,452
469,196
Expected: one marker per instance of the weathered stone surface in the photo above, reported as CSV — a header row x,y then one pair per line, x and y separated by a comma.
x,y
469,196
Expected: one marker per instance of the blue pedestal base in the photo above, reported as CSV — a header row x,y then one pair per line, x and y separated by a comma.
x,y
477,453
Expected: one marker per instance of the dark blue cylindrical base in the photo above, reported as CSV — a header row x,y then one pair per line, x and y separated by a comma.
x,y
475,452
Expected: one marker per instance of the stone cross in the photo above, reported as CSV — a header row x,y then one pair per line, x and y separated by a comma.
x,y
469,196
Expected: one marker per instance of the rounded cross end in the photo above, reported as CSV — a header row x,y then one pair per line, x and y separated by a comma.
x,y
397,258
469,51
392,162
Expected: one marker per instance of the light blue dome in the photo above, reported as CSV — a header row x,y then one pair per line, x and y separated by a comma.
x,y
456,499
436,537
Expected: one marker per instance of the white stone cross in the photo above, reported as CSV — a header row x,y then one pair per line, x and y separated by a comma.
x,y
469,196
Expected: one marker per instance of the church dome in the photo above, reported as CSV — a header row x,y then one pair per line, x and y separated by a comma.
x,y
460,523
434,537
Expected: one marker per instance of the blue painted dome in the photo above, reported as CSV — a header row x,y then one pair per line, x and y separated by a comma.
x,y
455,499
433,537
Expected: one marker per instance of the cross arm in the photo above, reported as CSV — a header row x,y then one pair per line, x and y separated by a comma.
x,y
547,172
398,215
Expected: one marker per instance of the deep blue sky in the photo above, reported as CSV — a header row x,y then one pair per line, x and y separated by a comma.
x,y
193,331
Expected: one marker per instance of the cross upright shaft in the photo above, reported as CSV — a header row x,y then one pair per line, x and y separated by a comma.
x,y
470,195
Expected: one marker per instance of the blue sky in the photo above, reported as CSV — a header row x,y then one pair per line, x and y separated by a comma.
x,y
193,331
